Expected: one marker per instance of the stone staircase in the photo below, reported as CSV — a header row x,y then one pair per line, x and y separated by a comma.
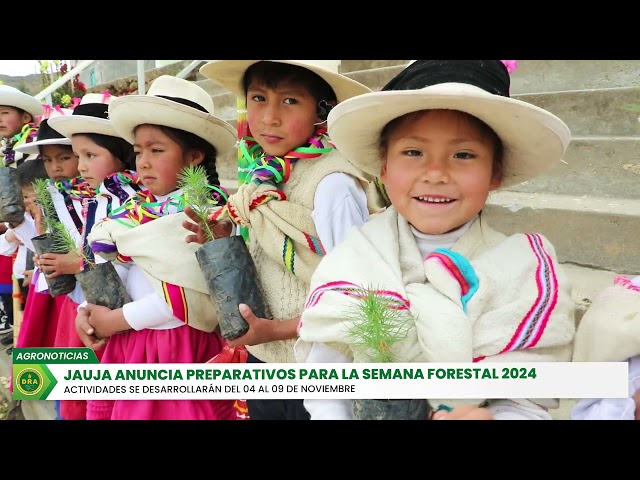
x,y
589,205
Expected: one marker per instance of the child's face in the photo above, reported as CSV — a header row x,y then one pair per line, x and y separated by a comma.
x,y
29,197
159,159
59,162
95,163
12,121
439,170
283,119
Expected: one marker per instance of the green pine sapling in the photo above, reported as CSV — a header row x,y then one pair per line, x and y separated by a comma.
x,y
198,195
376,323
63,241
44,199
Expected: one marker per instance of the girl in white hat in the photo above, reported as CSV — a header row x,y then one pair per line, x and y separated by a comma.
x,y
442,135
19,119
170,319
105,163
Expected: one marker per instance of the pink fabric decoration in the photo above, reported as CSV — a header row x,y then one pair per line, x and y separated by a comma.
x,y
511,65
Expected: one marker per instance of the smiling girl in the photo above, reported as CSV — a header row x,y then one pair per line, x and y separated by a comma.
x,y
442,135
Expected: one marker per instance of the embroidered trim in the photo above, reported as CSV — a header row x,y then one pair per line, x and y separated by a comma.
x,y
396,301
460,269
176,299
626,283
532,326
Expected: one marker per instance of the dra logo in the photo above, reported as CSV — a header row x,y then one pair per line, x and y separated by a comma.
x,y
29,381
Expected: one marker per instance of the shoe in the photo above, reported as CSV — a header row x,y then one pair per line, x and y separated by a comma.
x,y
6,341
5,326
9,350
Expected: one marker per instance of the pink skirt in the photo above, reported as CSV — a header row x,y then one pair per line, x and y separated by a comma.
x,y
39,320
177,345
66,336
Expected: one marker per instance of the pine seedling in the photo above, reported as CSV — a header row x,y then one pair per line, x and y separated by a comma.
x,y
199,195
376,323
63,241
45,200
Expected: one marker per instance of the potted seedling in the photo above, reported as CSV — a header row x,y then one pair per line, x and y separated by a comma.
x,y
376,323
47,243
11,204
225,262
99,282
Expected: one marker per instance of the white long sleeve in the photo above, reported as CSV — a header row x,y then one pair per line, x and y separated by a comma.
x,y
26,231
510,410
148,309
7,248
340,203
611,408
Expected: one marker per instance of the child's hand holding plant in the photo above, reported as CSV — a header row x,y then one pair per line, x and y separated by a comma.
x,y
200,198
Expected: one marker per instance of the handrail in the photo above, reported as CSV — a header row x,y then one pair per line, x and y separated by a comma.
x,y
189,68
46,93
141,81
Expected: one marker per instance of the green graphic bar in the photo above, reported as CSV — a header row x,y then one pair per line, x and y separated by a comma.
x,y
53,355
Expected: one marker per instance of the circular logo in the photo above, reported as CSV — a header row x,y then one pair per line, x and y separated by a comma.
x,y
29,381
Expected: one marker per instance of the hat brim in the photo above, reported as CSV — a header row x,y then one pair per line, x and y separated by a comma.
x,y
127,112
534,139
23,101
69,125
32,148
229,74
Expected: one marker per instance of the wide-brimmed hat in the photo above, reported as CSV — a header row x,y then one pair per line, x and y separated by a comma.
x,y
12,97
91,115
230,73
177,103
534,139
46,134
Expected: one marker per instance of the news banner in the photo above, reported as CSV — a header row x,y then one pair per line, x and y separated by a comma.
x,y
76,374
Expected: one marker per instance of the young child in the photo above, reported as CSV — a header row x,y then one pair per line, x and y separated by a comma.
x,y
318,196
19,121
610,332
45,314
171,127
105,164
6,290
442,139
11,244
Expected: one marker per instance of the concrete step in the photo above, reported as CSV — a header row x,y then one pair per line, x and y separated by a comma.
x,y
347,66
607,167
593,112
589,231
586,112
561,75
585,230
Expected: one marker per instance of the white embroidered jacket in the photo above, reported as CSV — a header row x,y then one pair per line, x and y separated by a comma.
x,y
491,298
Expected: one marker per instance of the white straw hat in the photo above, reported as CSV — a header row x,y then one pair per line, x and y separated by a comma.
x,y
534,139
177,103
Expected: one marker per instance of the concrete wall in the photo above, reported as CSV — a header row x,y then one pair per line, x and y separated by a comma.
x,y
104,71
